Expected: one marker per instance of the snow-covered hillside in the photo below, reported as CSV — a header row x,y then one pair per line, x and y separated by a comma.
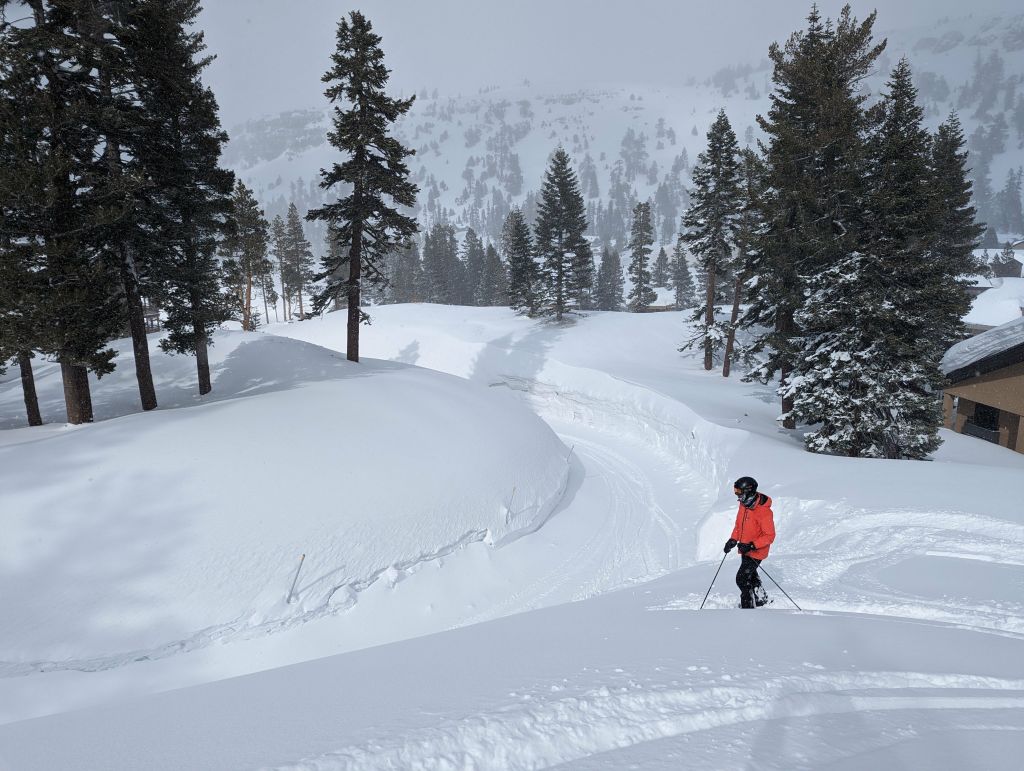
x,y
910,576
144,536
479,153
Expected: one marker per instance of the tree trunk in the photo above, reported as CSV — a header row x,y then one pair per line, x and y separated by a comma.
x,y
354,265
730,341
77,399
28,387
786,330
137,324
128,273
285,308
247,304
266,309
202,358
709,318
302,312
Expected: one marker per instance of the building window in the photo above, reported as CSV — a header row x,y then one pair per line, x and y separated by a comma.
x,y
986,417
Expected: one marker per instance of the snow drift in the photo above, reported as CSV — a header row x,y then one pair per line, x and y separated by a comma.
x,y
146,535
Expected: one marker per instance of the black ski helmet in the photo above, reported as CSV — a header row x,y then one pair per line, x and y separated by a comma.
x,y
746,490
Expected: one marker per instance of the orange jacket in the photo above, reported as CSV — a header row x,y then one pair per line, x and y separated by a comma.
x,y
756,525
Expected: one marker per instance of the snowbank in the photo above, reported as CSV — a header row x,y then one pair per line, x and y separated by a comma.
x,y
998,305
150,534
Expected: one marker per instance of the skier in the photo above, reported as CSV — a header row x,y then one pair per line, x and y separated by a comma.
x,y
753,534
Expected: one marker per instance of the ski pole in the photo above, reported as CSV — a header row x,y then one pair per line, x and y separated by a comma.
x,y
780,588
714,579
291,592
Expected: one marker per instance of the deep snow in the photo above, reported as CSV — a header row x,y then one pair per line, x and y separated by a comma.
x,y
910,575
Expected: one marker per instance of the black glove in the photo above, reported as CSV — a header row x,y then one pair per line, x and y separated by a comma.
x,y
729,544
743,548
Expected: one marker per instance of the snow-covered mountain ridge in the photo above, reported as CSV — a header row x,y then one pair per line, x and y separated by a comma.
x,y
477,154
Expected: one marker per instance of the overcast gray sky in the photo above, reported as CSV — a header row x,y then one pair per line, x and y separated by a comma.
x,y
271,53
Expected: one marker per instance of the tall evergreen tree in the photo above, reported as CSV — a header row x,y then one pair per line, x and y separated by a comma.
x,y
868,373
473,259
408,285
610,282
661,276
365,225
682,278
523,273
279,246
442,270
709,226
191,190
245,253
1010,212
814,135
21,291
119,60
64,216
494,280
298,262
642,293
749,231
559,237
955,232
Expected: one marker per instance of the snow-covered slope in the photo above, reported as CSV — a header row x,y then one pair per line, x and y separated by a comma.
x,y
907,653
147,535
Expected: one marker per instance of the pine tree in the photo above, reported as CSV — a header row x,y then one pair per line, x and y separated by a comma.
x,y
749,230
661,276
813,140
298,262
582,277
63,213
118,56
642,293
21,292
442,269
494,281
279,245
709,227
955,234
868,373
366,227
193,193
245,253
523,274
409,281
473,259
560,243
610,282
682,279
1010,212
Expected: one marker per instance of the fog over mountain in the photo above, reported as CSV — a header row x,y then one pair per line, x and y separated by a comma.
x,y
271,53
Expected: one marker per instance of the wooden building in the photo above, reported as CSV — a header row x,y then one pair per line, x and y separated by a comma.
x,y
985,395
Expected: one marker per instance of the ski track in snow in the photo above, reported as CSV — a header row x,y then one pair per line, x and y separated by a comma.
x,y
538,731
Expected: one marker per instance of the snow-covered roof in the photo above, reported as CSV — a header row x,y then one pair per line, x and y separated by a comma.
x,y
999,304
979,347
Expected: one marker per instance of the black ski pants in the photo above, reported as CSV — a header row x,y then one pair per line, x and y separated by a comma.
x,y
747,580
